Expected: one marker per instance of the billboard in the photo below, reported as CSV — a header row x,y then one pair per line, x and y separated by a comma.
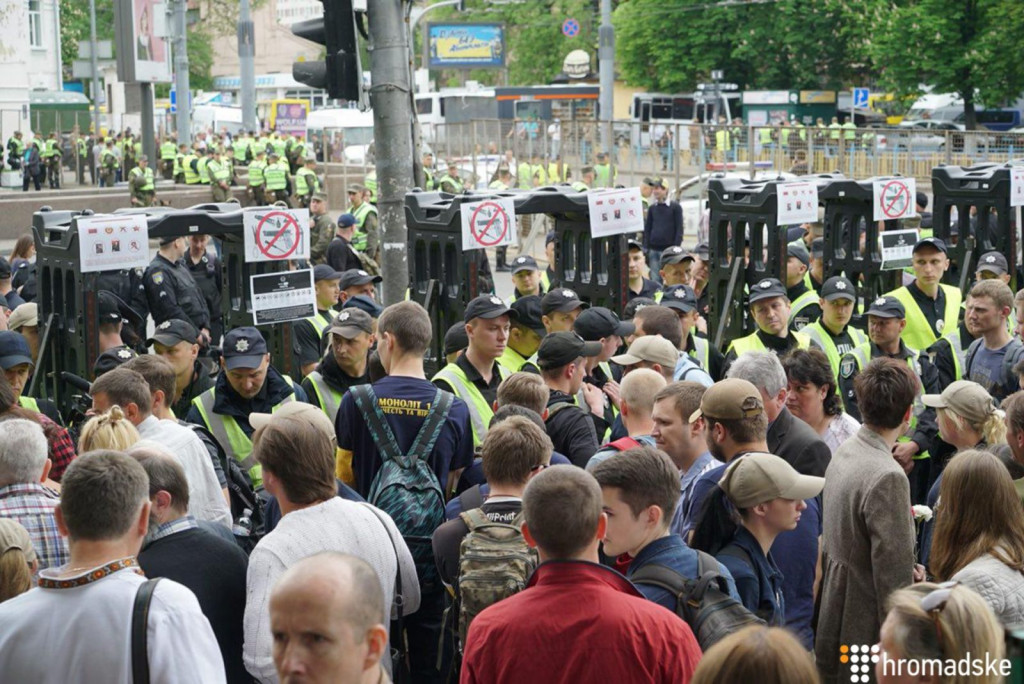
x,y
143,51
465,46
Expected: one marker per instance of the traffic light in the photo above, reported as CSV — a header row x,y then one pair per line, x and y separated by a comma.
x,y
340,74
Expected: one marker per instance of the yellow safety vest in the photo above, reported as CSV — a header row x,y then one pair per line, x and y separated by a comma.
x,y
191,177
805,300
306,182
480,412
229,434
256,172
167,150
701,351
360,214
817,332
217,171
511,360
918,335
753,343
276,176
204,173
28,403
329,398
147,178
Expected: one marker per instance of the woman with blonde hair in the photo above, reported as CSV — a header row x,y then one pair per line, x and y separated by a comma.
x,y
930,626
979,538
767,655
110,430
18,563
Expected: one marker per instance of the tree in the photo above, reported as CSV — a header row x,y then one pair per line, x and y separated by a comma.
x,y
967,47
74,26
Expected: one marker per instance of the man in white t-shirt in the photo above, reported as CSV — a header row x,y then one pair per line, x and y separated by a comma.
x,y
76,626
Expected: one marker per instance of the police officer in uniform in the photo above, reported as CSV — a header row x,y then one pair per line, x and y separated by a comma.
x,y
524,337
769,307
526,277
474,376
51,157
886,322
306,182
17,365
804,307
345,363
323,229
683,300
932,308
308,334
204,265
129,299
832,332
172,292
275,177
257,183
177,342
141,184
220,177
340,254
247,384
168,151
367,237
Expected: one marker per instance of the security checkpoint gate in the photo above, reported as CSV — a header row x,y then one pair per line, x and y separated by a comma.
x,y
443,277
991,228
67,297
741,211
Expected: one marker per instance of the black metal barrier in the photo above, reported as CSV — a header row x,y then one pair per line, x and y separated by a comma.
x,y
984,188
442,277
68,302
849,214
743,210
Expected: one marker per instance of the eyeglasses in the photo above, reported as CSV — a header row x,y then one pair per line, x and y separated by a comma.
x,y
934,602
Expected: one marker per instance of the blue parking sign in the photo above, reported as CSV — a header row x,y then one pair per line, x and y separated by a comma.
x,y
860,97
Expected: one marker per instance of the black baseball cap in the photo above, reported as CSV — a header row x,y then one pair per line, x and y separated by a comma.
x,y
679,297
172,332
703,251
528,313
365,303
562,300
111,359
549,238
634,305
766,289
325,272
560,348
794,233
168,239
14,350
817,248
635,244
922,200
5,268
798,250
489,306
357,276
524,263
456,339
994,262
674,255
838,287
108,307
887,307
350,322
243,348
934,242
599,322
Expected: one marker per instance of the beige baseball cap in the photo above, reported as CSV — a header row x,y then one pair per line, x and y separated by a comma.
x,y
298,409
14,536
25,314
965,398
758,477
730,399
651,348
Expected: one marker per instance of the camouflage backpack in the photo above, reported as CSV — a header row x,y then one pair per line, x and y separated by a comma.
x,y
494,563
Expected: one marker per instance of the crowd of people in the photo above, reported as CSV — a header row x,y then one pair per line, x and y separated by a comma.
x,y
572,494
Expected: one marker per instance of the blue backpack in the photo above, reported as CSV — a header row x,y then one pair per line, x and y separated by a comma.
x,y
406,487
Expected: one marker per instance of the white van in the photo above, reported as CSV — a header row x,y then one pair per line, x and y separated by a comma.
x,y
216,117
345,133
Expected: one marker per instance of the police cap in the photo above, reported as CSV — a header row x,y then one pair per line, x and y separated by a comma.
x,y
172,332
679,297
243,348
528,313
561,300
561,348
598,322
488,307
887,307
766,289
356,276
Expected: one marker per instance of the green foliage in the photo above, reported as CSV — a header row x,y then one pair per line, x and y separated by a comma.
x,y
74,26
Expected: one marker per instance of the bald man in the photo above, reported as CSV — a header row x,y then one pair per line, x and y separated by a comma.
x,y
327,618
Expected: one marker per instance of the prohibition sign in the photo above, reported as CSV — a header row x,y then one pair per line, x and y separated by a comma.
x,y
894,198
570,28
289,224
483,227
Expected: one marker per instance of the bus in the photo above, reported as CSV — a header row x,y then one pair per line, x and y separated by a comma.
x,y
288,116
705,105
340,135
452,106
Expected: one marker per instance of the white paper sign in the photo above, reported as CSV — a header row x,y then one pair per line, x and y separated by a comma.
x,y
798,203
273,234
897,248
895,198
283,296
1017,186
112,243
615,211
491,223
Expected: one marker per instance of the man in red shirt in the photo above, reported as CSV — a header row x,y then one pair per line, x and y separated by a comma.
x,y
617,635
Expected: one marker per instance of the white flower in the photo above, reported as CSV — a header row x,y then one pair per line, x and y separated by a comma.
x,y
921,513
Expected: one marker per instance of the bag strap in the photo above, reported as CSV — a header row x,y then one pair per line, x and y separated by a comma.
x,y
140,627
474,518
624,444
471,498
663,577
734,551
383,437
1013,355
431,428
398,652
969,356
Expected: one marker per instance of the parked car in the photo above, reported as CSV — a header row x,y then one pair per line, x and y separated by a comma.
x,y
925,135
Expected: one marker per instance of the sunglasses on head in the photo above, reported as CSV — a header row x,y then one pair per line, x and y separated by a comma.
x,y
934,602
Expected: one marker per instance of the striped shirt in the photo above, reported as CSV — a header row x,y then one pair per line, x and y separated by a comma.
x,y
32,504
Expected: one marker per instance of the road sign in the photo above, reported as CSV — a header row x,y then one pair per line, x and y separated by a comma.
x,y
615,211
570,28
894,199
490,223
860,97
276,235
174,101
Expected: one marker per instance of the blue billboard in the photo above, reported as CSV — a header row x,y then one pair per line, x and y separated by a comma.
x,y
465,46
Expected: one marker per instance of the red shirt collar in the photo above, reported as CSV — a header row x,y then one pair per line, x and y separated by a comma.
x,y
580,572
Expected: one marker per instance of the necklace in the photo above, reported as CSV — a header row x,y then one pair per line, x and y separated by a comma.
x,y
93,575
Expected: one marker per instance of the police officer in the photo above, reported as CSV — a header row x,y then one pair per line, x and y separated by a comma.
x,y
769,307
190,167
177,342
172,292
204,265
247,384
220,177
340,254
308,334
17,365
586,180
450,181
322,228
474,376
82,148
683,300
886,322
346,362
257,183
526,277
428,171
52,154
832,331
933,309
168,151
141,184
306,182
367,237
561,358
15,150
804,309
275,177
128,297
524,336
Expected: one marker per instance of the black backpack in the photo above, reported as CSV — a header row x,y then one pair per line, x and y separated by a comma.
x,y
704,603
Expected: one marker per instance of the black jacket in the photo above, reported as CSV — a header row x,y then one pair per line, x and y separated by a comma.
x,y
798,444
172,292
571,429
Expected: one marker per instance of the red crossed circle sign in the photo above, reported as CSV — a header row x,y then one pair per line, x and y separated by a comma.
x,y
272,228
489,224
895,199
